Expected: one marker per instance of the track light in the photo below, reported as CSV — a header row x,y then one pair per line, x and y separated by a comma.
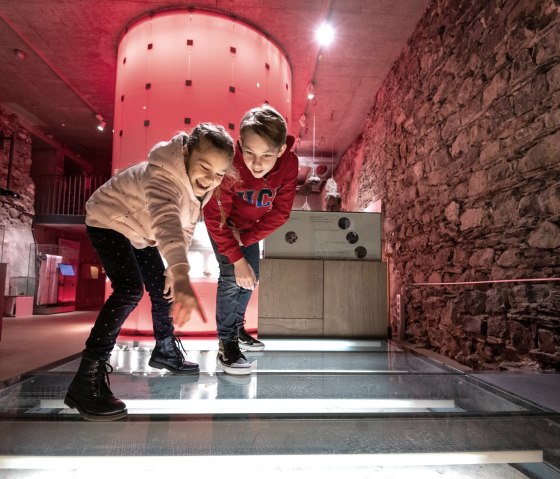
x,y
310,91
102,122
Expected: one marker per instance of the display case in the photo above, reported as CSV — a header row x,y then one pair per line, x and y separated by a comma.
x,y
53,272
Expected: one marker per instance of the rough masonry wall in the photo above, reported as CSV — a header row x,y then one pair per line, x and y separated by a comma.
x,y
463,149
16,214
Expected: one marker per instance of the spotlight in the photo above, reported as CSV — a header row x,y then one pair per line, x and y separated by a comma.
x,y
102,122
310,91
20,54
325,34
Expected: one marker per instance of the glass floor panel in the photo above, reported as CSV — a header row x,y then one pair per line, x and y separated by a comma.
x,y
281,393
272,436
351,356
366,404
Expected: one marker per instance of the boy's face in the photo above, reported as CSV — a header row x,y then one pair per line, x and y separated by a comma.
x,y
258,155
206,169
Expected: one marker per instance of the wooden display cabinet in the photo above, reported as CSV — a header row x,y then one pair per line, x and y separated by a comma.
x,y
322,298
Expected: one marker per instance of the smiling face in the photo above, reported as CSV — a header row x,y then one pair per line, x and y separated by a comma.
x,y
207,168
258,155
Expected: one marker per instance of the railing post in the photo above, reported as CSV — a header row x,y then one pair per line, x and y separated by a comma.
x,y
64,195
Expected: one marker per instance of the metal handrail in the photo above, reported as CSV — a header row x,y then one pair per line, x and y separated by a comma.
x,y
490,281
64,195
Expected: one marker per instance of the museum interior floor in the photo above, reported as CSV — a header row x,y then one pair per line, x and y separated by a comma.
x,y
312,408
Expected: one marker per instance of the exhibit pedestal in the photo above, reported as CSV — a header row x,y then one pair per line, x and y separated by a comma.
x,y
319,298
18,306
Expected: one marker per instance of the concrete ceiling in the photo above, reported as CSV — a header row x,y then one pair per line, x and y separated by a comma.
x,y
68,75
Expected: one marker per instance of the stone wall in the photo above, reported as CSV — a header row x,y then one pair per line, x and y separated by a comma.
x,y
462,148
16,214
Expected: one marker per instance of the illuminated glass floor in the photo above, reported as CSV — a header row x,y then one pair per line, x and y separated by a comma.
x,y
307,406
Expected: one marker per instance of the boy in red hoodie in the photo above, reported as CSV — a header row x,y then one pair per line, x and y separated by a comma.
x,y
241,214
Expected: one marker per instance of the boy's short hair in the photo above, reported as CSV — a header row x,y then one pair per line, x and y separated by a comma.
x,y
265,121
204,135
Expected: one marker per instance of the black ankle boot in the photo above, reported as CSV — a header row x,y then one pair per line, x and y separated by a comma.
x,y
90,394
168,355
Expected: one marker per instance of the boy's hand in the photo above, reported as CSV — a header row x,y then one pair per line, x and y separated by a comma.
x,y
244,275
178,289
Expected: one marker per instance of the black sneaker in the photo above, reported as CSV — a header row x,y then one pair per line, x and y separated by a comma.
x,y
248,343
231,358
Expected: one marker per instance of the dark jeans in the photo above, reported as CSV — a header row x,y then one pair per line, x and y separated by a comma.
x,y
232,300
130,270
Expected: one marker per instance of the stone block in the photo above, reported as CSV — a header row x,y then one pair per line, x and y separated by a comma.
x,y
494,341
478,182
472,218
473,324
521,337
510,258
449,315
541,156
489,152
549,200
546,341
494,89
474,302
452,212
504,210
497,301
460,145
546,358
553,78
483,257
546,236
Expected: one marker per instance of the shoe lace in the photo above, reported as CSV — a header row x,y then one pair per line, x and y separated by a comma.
x,y
102,377
180,351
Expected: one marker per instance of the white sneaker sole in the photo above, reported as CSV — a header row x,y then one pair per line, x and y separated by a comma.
x,y
248,347
236,371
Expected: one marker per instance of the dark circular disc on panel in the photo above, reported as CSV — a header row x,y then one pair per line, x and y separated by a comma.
x,y
352,237
344,223
360,252
291,237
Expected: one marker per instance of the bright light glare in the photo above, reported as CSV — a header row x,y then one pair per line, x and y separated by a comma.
x,y
325,34
268,406
214,465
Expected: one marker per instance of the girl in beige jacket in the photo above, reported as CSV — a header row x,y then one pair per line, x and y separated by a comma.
x,y
145,212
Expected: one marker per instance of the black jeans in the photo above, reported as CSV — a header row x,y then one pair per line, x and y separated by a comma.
x,y
130,270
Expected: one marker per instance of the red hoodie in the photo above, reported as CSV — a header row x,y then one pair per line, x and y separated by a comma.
x,y
256,206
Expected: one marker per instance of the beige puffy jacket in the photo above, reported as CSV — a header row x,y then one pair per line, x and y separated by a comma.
x,y
151,203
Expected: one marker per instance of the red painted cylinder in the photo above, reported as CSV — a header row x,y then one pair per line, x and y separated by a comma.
x,y
176,69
